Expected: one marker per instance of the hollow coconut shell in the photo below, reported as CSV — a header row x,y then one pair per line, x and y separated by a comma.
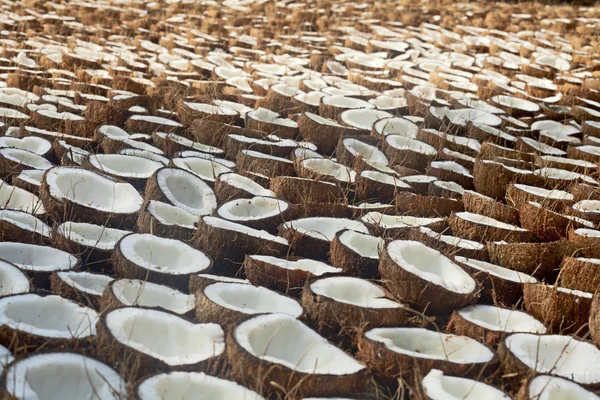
x,y
481,232
326,137
63,289
447,249
581,274
426,206
516,197
13,232
198,281
264,165
563,312
351,262
546,224
479,204
588,245
303,245
299,190
503,177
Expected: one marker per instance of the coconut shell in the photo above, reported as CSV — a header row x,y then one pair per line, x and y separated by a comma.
x,y
561,312
446,249
490,208
583,191
309,210
305,246
515,372
188,115
421,294
592,216
460,326
340,322
351,262
426,206
447,175
198,281
370,189
10,232
594,321
232,146
284,132
503,177
540,260
407,158
214,133
489,151
516,197
265,166
578,274
30,187
545,224
147,223
486,233
63,289
355,162
326,137
297,191
588,246
95,259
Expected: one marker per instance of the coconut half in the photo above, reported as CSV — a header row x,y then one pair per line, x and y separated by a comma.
x,y
356,253
19,226
437,386
81,287
61,375
133,169
481,228
12,279
230,186
16,198
546,387
179,385
92,242
264,213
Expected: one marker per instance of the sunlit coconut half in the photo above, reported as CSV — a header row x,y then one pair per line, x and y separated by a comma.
x,y
558,355
301,190
358,154
13,161
135,292
16,198
262,213
91,242
132,169
424,278
412,352
189,111
438,386
228,303
311,237
339,306
215,236
182,189
19,226
206,169
159,260
81,287
489,324
12,279
281,349
38,262
179,385
271,122
166,220
59,375
286,276
363,118
231,186
150,339
448,244
151,123
326,170
479,227
546,387
408,152
30,320
397,226
322,131
518,194
76,194
356,253
514,106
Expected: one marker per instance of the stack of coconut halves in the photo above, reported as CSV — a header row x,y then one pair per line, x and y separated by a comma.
x,y
274,200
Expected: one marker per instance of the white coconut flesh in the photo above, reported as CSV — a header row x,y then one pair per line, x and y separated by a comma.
x,y
240,108
151,155
396,221
549,194
363,244
545,387
542,147
249,299
135,292
430,265
516,103
252,209
440,387
33,144
419,179
12,279
25,158
452,240
264,115
494,132
31,257
587,232
557,173
423,343
321,120
324,166
558,355
219,278
282,339
496,270
112,132
187,191
451,166
340,101
92,190
93,284
125,166
354,291
312,266
363,118
501,319
166,337
483,220
194,153
385,178
156,120
363,150
465,115
167,256
233,226
48,316
25,221
91,235
244,183
396,126
178,385
171,215
32,176
63,116
452,186
57,376
189,143
324,228
399,142
207,170
592,206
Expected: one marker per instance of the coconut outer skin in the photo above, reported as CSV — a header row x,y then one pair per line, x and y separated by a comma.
x,y
284,132
147,223
447,249
460,326
517,197
355,162
485,233
514,370
61,288
594,320
134,364
260,376
96,260
226,192
452,176
579,275
588,246
286,281
418,292
264,166
351,262
426,206
138,183
10,232
583,191
340,322
496,188
369,189
305,246
390,366
490,208
540,260
213,133
298,191
546,225
561,312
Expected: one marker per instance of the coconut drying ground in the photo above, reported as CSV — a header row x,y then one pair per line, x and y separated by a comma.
x,y
274,200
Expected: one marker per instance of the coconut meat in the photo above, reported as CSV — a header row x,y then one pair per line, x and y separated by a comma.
x,y
186,191
400,142
86,282
49,316
171,215
282,339
252,209
423,343
501,319
125,166
495,270
207,170
396,221
396,126
233,226
135,292
440,387
166,337
363,118
249,299
363,244
91,235
25,221
244,183
12,280
33,144
30,257
25,158
167,256
545,387
452,240
314,267
324,228
324,166
58,376
363,150
483,220
430,265
355,291
549,194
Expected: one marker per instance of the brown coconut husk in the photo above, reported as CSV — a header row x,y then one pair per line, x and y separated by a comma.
x,y
448,250
483,205
594,321
284,132
370,189
489,151
148,223
583,191
300,190
561,312
580,274
326,137
546,224
351,262
516,197
486,233
265,165
588,246
426,206
214,133
10,232
63,289
503,177
447,175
